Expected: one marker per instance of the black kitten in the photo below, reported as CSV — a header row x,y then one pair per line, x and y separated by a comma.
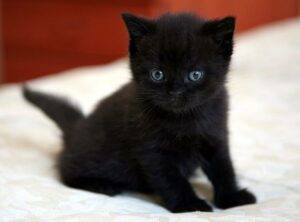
x,y
150,135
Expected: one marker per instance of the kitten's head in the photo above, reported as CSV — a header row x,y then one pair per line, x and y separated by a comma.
x,y
179,61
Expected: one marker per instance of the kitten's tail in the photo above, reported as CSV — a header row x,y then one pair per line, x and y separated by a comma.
x,y
62,112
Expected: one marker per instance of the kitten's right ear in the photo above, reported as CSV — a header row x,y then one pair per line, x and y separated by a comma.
x,y
137,26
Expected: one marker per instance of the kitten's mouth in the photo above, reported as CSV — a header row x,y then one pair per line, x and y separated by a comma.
x,y
174,105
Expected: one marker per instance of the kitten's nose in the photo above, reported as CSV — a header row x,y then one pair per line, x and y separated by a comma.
x,y
175,92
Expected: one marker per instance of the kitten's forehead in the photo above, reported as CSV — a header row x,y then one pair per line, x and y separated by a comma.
x,y
177,38
179,22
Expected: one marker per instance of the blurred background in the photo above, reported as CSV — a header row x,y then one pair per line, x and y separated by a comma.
x,y
42,37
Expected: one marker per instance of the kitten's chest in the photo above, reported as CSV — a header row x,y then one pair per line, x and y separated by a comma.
x,y
185,153
186,128
181,144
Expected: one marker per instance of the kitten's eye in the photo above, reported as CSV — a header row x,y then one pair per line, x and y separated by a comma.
x,y
196,75
157,75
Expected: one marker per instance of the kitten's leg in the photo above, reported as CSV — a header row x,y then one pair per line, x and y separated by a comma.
x,y
172,187
94,185
218,167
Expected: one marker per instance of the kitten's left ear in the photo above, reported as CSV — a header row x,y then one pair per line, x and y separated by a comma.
x,y
137,26
221,31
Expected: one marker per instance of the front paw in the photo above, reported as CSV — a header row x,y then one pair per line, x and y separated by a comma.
x,y
197,205
233,199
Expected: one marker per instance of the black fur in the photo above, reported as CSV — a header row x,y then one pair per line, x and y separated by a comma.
x,y
64,114
150,136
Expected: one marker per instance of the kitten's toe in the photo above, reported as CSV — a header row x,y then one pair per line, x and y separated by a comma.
x,y
238,198
205,207
198,205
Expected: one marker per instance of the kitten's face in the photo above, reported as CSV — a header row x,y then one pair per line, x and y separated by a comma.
x,y
179,61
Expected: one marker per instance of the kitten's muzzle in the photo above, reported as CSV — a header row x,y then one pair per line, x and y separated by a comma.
x,y
175,93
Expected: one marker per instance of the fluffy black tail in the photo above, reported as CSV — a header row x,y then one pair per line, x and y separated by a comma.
x,y
63,113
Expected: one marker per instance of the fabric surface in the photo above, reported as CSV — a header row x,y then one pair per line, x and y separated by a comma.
x,y
265,140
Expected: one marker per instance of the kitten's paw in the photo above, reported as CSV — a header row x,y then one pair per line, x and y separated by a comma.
x,y
238,198
197,205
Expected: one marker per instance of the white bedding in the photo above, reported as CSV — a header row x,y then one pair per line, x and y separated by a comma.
x,y
265,140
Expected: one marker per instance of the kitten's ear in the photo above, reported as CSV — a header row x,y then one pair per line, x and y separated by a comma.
x,y
221,31
137,26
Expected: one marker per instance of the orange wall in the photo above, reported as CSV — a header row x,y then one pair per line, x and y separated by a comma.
x,y
41,37
250,13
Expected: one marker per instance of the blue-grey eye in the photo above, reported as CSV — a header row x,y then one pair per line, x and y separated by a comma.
x,y
157,75
196,75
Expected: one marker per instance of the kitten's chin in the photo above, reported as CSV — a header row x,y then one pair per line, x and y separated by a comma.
x,y
175,108
182,108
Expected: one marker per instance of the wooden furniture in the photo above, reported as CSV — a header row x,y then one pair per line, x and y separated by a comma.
x,y
41,37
